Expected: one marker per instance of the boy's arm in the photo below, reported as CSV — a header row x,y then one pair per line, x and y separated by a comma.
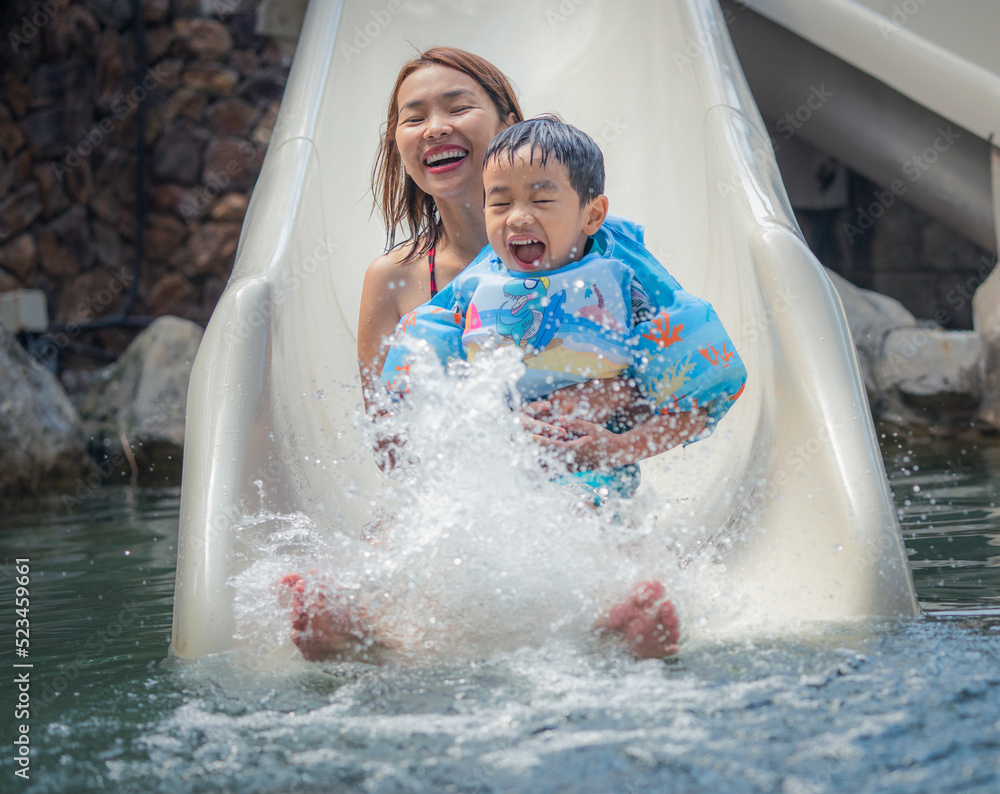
x,y
684,358
687,372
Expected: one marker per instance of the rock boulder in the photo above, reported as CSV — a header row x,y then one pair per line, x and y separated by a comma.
x,y
986,315
918,374
929,376
870,316
142,398
42,443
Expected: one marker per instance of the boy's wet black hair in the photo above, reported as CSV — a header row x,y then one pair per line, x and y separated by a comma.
x,y
549,136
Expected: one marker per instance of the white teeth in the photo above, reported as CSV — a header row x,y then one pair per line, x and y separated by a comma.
x,y
433,158
529,241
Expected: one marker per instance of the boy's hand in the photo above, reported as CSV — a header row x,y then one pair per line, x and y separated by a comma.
x,y
596,400
541,429
586,445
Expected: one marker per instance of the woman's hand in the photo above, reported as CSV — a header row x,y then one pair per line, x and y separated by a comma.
x,y
388,447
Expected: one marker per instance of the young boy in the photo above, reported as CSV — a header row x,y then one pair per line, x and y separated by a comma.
x,y
583,299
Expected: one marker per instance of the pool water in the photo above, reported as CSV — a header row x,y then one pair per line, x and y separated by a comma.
x,y
908,706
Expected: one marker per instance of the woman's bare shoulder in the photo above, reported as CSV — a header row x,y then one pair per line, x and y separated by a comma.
x,y
393,286
397,277
391,262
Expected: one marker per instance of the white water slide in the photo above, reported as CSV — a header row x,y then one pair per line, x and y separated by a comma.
x,y
791,485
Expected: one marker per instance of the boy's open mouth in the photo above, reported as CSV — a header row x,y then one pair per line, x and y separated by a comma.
x,y
527,251
444,159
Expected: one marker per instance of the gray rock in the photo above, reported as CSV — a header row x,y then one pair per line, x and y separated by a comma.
x,y
986,316
19,210
870,316
929,376
53,133
918,374
42,443
142,398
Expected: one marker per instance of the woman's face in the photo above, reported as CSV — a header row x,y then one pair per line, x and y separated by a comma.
x,y
446,121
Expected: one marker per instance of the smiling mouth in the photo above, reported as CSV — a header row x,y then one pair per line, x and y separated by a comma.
x,y
444,159
527,252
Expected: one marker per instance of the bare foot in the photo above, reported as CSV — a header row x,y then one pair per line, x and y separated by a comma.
x,y
646,622
325,624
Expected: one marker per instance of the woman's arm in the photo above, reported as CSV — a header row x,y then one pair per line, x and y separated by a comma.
x,y
395,287
385,283
376,323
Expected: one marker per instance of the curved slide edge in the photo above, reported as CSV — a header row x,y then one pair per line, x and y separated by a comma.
x,y
215,452
818,533
261,347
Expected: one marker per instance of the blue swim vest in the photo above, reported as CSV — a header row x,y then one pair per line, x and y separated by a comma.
x,y
682,357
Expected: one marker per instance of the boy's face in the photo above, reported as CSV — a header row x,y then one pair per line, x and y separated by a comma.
x,y
535,220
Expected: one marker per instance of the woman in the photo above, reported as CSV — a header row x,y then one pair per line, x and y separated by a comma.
x,y
444,110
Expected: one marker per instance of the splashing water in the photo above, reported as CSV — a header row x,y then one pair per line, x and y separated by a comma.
x,y
479,550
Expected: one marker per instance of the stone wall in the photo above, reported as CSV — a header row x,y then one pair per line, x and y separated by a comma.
x,y
70,93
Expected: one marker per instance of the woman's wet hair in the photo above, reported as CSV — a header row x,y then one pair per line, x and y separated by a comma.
x,y
549,136
397,196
